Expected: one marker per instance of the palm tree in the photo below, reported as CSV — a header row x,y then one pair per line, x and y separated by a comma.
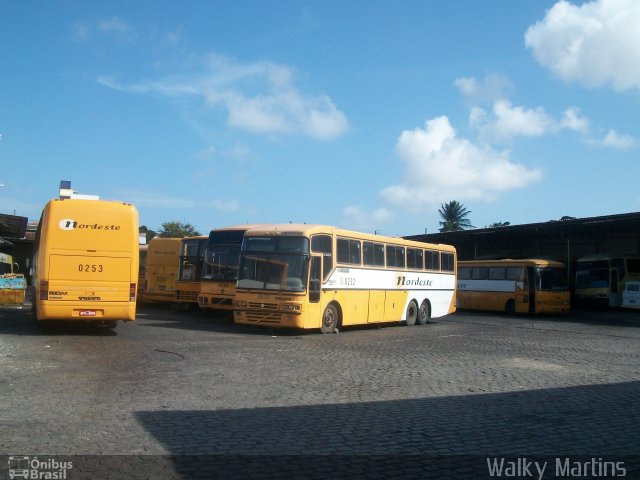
x,y
454,217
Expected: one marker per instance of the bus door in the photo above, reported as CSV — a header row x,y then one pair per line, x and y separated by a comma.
x,y
531,276
614,297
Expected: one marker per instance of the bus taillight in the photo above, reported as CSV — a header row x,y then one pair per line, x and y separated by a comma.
x,y
132,292
44,289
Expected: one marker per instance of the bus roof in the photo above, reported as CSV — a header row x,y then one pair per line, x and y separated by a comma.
x,y
311,229
606,256
103,225
504,262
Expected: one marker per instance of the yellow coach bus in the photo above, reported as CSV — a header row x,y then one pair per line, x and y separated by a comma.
x,y
315,276
86,262
513,286
161,271
220,267
190,270
600,278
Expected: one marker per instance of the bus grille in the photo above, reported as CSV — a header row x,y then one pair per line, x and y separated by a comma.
x,y
263,317
187,296
263,306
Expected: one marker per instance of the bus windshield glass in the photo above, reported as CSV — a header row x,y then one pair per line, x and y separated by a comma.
x,y
221,263
274,263
593,274
551,279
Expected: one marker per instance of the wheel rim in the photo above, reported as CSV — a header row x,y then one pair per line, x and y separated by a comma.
x,y
423,314
329,319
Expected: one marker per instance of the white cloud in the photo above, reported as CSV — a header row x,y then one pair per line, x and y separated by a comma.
x,y
507,122
494,87
356,218
615,140
260,98
149,199
574,120
594,44
440,166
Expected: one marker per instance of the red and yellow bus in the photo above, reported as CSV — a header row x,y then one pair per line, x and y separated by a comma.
x,y
85,265
513,286
323,277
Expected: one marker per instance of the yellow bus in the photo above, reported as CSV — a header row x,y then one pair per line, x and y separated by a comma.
x,y
86,262
220,267
142,264
315,276
600,278
161,271
513,286
190,270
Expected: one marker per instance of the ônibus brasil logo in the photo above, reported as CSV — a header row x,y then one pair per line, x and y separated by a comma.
x,y
71,224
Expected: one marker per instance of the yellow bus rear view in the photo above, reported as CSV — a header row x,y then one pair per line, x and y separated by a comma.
x,y
86,262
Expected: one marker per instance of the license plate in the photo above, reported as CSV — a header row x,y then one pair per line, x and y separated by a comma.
x,y
88,313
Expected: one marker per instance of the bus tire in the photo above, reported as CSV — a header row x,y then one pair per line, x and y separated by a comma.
x,y
330,319
424,312
510,307
412,313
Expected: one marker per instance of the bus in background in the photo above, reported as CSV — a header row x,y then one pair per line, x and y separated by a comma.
x,y
142,263
600,278
161,271
513,286
631,295
220,267
190,270
315,276
86,262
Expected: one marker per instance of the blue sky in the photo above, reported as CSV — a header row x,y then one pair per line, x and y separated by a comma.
x,y
364,114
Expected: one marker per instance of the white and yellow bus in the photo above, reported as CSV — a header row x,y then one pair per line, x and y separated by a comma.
x,y
513,286
86,262
600,278
190,270
315,276
220,267
161,271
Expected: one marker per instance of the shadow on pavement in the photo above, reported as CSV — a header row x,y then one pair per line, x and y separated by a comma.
x,y
448,437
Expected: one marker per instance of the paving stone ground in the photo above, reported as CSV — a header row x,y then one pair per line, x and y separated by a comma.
x,y
190,395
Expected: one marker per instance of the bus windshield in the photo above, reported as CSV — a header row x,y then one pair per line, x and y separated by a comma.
x,y
593,274
221,263
551,279
274,263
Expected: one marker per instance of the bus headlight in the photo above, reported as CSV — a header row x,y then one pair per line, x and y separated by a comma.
x,y
240,304
291,307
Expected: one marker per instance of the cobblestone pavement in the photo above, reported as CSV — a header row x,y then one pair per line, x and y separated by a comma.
x,y
186,395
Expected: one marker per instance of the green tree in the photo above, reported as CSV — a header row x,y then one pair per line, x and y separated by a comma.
x,y
148,232
177,229
499,224
454,217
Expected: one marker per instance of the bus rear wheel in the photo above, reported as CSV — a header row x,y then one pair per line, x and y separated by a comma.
x,y
424,313
330,319
412,313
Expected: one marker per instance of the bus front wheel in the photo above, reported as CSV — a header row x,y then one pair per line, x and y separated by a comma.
x,y
510,307
424,313
412,313
330,319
